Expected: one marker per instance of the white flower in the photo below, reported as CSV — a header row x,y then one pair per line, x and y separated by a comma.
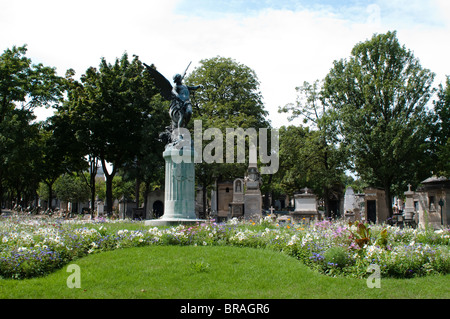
x,y
239,236
267,219
306,239
5,239
293,240
122,231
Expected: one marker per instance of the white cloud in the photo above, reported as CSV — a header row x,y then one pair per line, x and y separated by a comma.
x,y
284,47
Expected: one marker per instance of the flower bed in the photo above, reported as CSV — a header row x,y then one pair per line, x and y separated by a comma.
x,y
36,247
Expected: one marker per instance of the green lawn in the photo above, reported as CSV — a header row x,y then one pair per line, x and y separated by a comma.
x,y
216,272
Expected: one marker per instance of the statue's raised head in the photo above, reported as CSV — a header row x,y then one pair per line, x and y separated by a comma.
x,y
177,78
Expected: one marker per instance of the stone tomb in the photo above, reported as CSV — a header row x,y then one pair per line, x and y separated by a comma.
x,y
224,197
305,207
433,202
376,210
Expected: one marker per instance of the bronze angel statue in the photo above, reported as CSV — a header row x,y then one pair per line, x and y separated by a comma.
x,y
179,96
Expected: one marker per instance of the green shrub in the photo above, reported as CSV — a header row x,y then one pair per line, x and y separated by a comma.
x,y
336,256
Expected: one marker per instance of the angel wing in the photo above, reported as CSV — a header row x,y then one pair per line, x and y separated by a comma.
x,y
161,83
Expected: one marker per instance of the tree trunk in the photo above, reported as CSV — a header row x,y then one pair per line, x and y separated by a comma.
x,y
146,185
93,173
138,184
204,208
388,199
109,199
50,194
326,202
1,194
92,186
137,191
109,180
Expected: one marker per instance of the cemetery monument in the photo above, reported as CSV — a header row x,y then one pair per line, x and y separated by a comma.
x,y
305,206
252,197
179,153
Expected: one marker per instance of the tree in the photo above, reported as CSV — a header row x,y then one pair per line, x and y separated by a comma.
x,y
230,99
379,96
441,136
69,128
71,188
292,175
23,86
111,107
19,150
320,159
59,152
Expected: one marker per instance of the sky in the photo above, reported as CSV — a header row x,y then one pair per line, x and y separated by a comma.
x,y
285,42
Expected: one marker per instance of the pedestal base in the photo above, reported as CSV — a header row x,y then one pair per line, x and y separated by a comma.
x,y
252,205
304,216
173,221
179,190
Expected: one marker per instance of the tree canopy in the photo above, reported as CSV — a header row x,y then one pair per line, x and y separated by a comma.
x,y
379,96
372,114
230,99
116,116
23,87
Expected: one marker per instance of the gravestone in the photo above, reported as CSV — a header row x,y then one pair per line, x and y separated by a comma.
x,y
349,204
305,207
237,205
252,197
349,200
100,208
409,204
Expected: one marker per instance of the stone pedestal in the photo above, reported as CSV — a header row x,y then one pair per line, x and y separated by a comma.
x,y
179,197
253,205
252,197
409,204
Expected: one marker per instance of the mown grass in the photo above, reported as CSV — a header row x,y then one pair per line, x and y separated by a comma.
x,y
210,272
